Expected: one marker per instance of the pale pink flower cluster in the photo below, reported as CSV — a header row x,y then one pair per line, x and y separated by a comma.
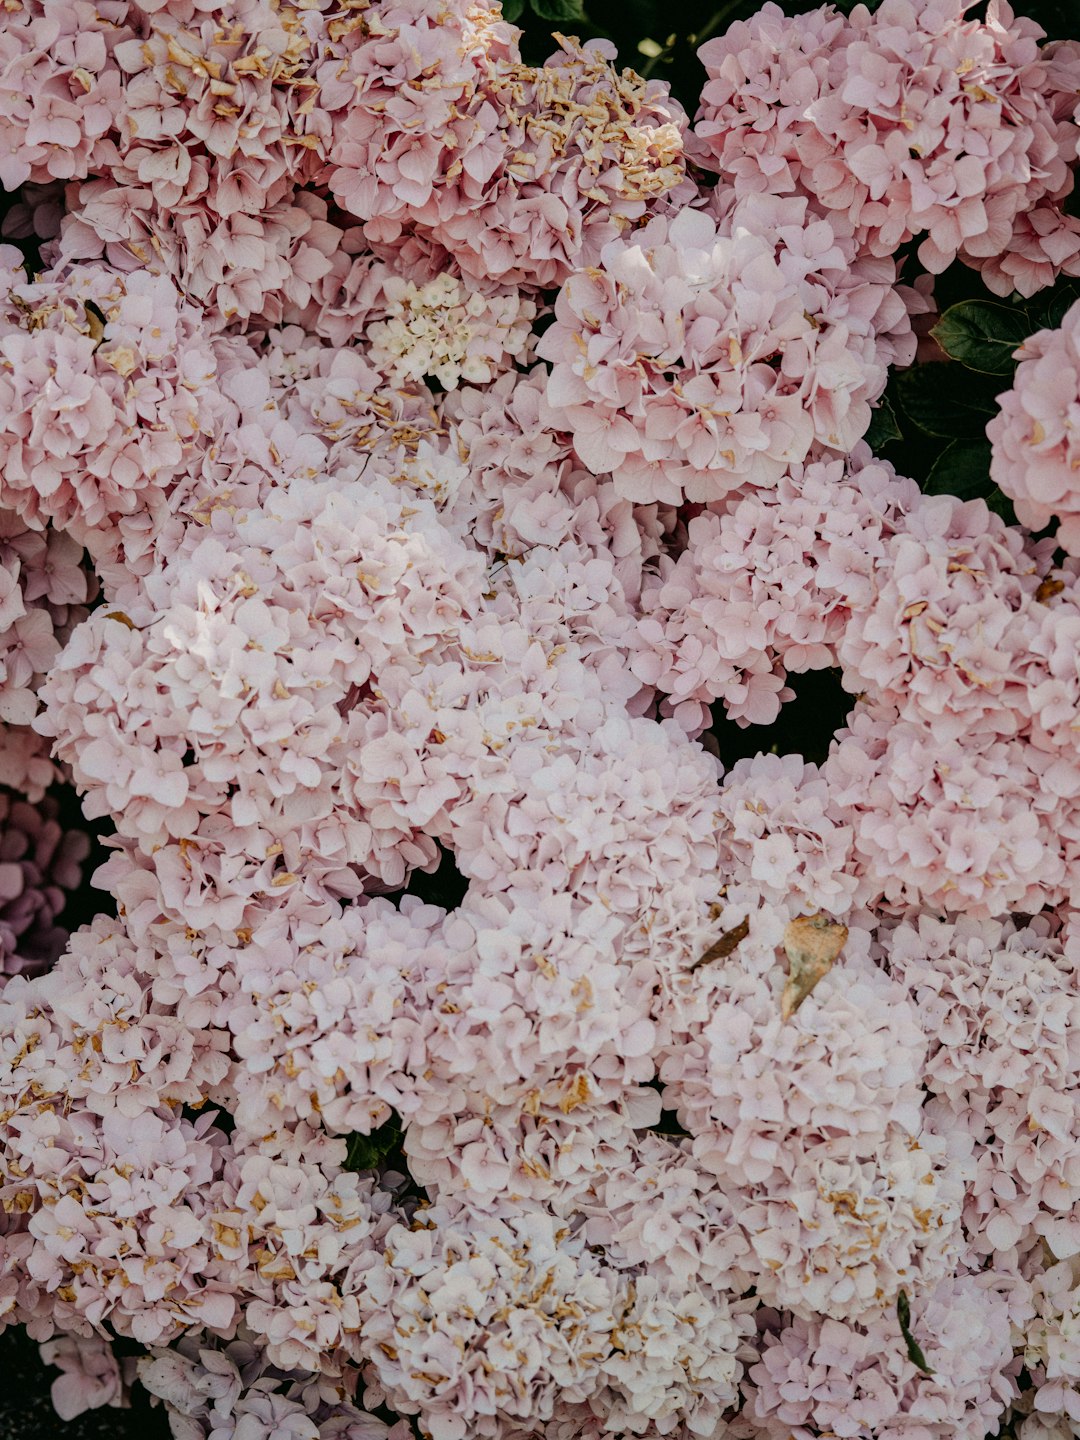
x,y
817,1375
1036,433
418,580
700,356
444,330
766,587
231,716
911,121
107,383
544,1323
61,90
959,772
1050,1350
520,173
814,1128
1000,1000
44,587
189,136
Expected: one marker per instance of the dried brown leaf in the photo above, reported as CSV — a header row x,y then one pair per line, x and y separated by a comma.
x,y
725,945
812,943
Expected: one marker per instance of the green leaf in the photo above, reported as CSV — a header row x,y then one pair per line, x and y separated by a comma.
x,y
512,10
1050,312
883,426
947,401
982,335
903,1314
558,10
366,1151
962,469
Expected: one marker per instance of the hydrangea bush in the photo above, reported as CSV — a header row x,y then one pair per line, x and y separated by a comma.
x,y
430,482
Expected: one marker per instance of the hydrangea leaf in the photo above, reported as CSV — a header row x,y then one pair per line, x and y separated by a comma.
x,y
812,943
962,469
914,1350
558,10
946,402
884,427
1054,304
982,335
366,1151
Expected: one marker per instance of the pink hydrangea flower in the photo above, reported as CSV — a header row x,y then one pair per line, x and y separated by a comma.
x,y
220,719
90,1375
947,636
996,1000
910,121
817,1374
107,383
60,91
522,172
953,825
443,329
1036,433
699,357
766,587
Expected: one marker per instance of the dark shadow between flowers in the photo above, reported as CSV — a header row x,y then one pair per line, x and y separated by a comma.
x,y
805,726
668,1124
444,886
26,1411
83,904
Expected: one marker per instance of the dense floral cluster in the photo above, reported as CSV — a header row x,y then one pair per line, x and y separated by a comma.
x,y
764,320
1036,434
908,122
417,461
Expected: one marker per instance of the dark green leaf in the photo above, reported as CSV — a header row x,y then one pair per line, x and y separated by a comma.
x,y
903,1314
558,10
883,426
962,469
366,1151
947,401
982,335
1050,311
512,10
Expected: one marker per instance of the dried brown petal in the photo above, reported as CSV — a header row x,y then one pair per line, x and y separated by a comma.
x,y
95,322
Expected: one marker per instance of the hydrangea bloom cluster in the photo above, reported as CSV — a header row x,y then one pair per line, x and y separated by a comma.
x,y
440,329
409,464
766,587
1036,434
700,356
912,121
107,384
